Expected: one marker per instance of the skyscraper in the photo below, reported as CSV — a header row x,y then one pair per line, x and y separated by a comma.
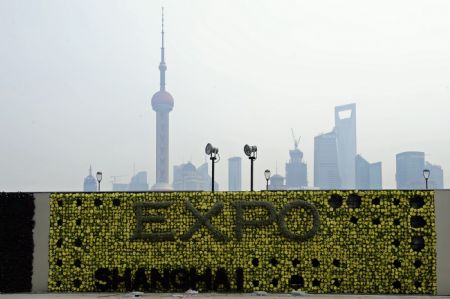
x,y
203,172
326,172
409,170
186,177
376,176
436,180
90,184
139,182
345,128
120,187
277,182
235,174
368,175
162,103
296,173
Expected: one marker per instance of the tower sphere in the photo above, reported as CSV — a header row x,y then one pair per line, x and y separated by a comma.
x,y
162,101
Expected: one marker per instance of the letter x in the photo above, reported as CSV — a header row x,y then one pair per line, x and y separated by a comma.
x,y
204,220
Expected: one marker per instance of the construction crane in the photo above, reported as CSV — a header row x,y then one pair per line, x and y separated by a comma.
x,y
114,178
296,141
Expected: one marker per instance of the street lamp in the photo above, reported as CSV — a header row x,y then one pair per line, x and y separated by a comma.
x,y
267,176
99,176
213,152
250,152
426,175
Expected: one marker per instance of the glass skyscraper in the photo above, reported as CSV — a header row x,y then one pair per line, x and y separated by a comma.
x,y
345,128
409,170
235,174
326,172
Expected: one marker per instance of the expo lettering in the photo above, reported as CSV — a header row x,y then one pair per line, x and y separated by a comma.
x,y
241,222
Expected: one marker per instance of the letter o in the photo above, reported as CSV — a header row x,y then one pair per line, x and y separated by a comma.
x,y
298,204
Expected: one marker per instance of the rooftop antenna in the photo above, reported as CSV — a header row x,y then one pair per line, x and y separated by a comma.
x,y
162,64
296,140
162,32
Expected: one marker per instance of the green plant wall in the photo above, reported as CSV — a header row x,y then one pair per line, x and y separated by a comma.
x,y
362,242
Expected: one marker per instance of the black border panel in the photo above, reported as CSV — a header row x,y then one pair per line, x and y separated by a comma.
x,y
16,242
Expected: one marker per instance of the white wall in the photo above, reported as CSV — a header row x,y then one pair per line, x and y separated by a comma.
x,y
41,239
442,202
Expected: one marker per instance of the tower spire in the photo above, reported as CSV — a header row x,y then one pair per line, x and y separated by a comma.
x,y
162,64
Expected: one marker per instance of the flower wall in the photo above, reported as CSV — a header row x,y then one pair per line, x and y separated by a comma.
x,y
16,242
364,242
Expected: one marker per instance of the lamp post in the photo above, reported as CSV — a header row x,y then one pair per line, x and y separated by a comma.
x,y
250,151
213,153
426,176
267,176
99,176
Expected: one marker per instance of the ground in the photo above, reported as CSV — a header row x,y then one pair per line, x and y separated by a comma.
x,y
204,296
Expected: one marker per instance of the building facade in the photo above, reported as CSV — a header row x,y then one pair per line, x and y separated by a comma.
x,y
296,171
235,174
409,170
345,129
138,182
436,180
162,104
119,187
277,182
326,172
368,175
203,171
186,177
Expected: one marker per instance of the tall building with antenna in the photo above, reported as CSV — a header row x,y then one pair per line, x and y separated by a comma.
x,y
90,183
162,103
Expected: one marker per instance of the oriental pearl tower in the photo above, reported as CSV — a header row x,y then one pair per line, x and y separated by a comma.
x,y
162,103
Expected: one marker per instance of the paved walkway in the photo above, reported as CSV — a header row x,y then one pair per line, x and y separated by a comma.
x,y
204,296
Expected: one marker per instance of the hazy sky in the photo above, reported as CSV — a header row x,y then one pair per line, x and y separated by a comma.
x,y
77,77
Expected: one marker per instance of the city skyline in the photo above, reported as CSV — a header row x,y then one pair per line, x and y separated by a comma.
x,y
78,79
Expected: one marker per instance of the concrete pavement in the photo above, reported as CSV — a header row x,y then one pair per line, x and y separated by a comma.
x,y
205,296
